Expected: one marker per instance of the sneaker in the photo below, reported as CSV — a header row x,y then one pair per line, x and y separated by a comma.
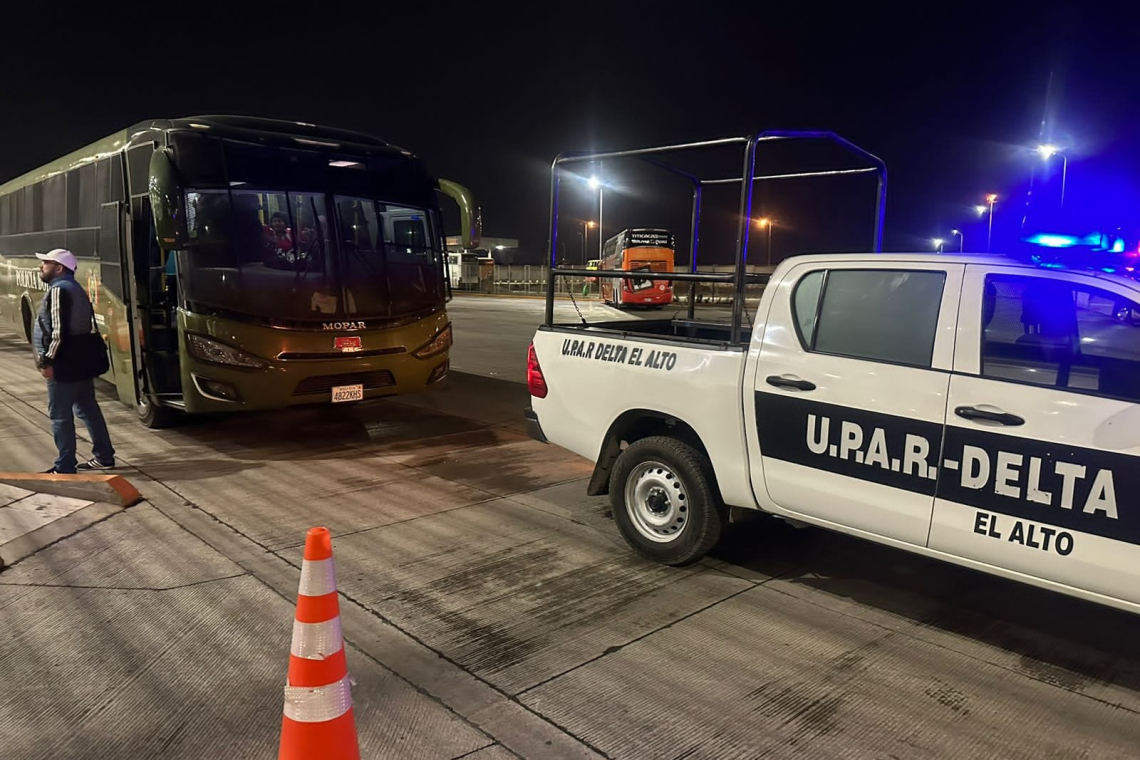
x,y
94,464
52,471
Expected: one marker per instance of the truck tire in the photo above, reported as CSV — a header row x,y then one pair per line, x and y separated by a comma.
x,y
664,502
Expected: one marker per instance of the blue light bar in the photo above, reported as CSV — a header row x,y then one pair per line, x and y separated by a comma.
x,y
1053,241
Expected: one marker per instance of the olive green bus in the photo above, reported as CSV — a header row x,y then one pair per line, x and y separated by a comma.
x,y
239,263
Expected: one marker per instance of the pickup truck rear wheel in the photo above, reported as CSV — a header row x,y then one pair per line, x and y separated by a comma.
x,y
664,502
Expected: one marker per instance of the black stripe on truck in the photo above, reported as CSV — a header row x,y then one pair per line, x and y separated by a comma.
x,y
1088,490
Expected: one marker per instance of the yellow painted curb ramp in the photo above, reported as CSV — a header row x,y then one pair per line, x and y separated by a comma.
x,y
110,489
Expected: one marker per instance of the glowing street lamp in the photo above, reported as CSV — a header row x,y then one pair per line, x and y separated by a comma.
x,y
981,209
961,240
1047,152
938,242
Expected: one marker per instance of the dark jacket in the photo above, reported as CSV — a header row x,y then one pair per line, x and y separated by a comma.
x,y
65,312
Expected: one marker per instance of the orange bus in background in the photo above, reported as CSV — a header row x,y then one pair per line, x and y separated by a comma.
x,y
643,251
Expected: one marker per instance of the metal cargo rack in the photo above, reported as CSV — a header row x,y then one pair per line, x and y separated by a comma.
x,y
739,277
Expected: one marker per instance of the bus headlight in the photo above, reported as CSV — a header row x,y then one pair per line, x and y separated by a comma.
x,y
437,345
213,351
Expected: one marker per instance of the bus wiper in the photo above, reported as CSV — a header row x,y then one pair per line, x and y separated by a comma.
x,y
301,275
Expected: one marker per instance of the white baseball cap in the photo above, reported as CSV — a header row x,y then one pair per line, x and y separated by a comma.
x,y
60,256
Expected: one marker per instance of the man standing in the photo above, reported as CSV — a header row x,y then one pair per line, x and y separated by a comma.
x,y
63,327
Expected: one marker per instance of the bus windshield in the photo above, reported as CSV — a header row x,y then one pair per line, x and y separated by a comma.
x,y
283,255
389,246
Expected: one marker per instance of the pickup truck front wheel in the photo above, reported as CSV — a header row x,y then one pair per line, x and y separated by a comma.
x,y
664,502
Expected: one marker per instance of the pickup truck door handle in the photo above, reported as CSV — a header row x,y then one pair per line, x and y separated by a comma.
x,y
1002,418
790,382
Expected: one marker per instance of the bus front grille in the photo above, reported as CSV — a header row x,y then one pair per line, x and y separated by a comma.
x,y
310,386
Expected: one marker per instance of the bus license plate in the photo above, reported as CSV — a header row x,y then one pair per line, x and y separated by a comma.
x,y
347,393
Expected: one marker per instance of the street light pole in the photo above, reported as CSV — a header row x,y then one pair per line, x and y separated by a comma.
x,y
596,184
990,199
601,195
766,222
586,227
938,243
1047,152
961,240
1064,175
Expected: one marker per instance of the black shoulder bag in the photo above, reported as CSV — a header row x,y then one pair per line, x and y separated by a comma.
x,y
82,356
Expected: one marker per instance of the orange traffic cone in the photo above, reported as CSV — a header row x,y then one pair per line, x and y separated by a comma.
x,y
318,720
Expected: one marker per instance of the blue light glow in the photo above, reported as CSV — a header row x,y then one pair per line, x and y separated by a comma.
x,y
1053,241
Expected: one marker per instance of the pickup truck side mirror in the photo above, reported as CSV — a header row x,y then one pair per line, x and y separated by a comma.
x,y
166,204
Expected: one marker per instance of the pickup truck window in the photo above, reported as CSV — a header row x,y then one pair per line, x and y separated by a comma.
x,y
877,314
1061,334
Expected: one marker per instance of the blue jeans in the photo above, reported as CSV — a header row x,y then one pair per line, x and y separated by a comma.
x,y
80,396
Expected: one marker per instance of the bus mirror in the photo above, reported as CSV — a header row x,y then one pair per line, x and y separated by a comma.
x,y
166,202
470,215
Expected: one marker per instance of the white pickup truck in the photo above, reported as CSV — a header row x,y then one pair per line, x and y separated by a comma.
x,y
975,409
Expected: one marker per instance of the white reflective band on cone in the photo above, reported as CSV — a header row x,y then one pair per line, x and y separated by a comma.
x,y
317,577
316,641
316,704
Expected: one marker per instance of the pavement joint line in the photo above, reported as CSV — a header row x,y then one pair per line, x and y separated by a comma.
x,y
552,513
753,581
618,647
548,485
80,529
943,647
360,648
126,588
477,751
339,536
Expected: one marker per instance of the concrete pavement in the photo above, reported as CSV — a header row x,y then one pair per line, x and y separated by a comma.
x,y
492,611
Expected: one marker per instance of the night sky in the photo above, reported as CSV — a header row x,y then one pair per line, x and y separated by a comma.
x,y
949,95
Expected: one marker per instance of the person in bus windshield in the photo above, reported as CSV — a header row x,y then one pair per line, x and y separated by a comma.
x,y
279,242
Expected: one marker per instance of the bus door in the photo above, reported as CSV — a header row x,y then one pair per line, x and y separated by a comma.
x,y
154,294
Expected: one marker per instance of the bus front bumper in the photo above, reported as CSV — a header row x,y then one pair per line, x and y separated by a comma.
x,y
213,388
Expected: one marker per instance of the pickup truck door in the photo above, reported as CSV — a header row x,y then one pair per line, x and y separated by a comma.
x,y
849,394
1041,466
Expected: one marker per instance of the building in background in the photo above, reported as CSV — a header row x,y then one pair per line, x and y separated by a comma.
x,y
467,268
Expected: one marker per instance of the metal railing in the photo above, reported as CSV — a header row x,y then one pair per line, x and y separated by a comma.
x,y
530,279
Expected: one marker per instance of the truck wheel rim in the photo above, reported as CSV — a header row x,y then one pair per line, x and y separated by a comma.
x,y
657,502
